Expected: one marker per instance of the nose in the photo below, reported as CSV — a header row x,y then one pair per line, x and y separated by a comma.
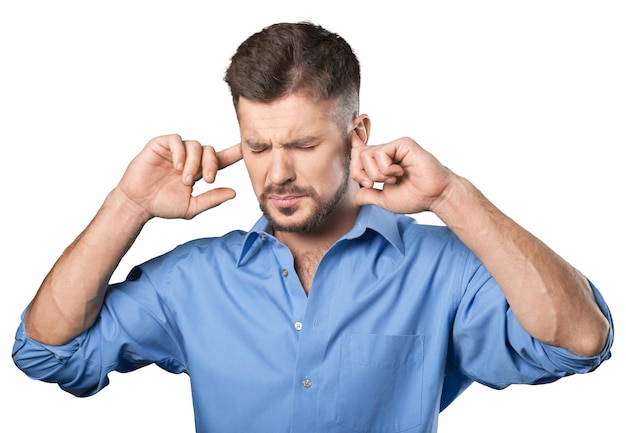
x,y
281,169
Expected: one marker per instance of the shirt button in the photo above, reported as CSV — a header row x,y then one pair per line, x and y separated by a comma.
x,y
285,272
298,326
307,382
263,237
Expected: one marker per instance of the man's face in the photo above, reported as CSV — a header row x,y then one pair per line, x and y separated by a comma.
x,y
297,158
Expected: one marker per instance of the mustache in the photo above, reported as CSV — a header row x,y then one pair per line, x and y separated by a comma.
x,y
287,190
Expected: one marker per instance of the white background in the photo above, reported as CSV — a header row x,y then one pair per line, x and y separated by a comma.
x,y
526,99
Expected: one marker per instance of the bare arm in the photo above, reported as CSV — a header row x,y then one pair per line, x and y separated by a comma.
x,y
157,183
549,297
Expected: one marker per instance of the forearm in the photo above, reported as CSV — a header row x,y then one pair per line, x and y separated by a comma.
x,y
71,295
550,298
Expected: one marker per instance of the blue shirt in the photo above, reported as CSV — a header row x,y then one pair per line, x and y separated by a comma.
x,y
400,319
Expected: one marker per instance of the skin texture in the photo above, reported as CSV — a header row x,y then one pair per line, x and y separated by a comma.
x,y
295,153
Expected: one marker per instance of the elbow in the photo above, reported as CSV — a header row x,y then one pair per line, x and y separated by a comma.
x,y
584,333
50,332
593,341
584,337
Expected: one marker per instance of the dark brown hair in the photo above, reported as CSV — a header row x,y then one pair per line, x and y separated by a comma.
x,y
285,58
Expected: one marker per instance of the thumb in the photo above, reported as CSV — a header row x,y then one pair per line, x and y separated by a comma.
x,y
210,199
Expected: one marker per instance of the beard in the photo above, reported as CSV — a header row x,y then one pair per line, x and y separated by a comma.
x,y
321,209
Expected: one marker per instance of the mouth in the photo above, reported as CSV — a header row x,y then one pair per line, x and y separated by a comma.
x,y
286,201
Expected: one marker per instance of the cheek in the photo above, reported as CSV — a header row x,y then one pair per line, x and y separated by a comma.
x,y
257,175
328,176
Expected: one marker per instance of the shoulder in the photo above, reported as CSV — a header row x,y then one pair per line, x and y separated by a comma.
x,y
222,247
198,252
230,241
411,231
434,244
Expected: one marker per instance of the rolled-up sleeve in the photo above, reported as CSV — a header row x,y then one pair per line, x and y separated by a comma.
x,y
491,347
133,330
573,364
59,364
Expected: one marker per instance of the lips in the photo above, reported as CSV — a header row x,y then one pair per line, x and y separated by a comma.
x,y
286,201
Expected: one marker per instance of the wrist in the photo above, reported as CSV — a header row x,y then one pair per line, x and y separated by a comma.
x,y
125,210
456,201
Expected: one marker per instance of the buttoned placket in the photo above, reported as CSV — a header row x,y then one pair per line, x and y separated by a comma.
x,y
309,345
309,321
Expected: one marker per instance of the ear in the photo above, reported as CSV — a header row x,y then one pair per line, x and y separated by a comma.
x,y
360,132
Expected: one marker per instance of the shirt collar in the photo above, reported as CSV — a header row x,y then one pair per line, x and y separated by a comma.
x,y
379,220
370,217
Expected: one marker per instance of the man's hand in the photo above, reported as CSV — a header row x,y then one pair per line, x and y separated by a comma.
x,y
412,179
160,179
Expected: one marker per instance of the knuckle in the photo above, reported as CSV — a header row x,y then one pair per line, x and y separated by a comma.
x,y
169,138
192,143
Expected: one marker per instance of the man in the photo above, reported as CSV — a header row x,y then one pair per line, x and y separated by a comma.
x,y
335,312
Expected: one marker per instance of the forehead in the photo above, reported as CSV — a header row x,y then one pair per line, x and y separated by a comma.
x,y
286,118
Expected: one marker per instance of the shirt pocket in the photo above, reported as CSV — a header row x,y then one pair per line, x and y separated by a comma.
x,y
380,382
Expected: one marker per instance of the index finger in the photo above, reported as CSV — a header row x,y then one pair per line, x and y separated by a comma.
x,y
229,156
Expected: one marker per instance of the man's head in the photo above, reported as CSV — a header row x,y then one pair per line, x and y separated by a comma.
x,y
304,58
295,88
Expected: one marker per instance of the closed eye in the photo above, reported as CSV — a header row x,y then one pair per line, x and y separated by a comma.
x,y
304,144
257,147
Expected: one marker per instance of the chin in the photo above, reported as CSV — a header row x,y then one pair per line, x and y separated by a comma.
x,y
292,222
